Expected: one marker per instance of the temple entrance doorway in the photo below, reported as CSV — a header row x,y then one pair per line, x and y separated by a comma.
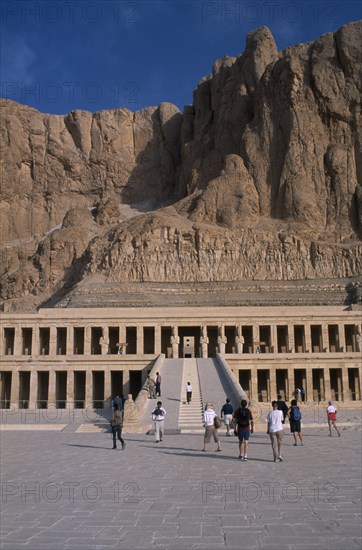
x,y
189,346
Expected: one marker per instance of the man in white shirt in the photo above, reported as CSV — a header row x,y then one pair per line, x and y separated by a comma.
x,y
158,417
275,431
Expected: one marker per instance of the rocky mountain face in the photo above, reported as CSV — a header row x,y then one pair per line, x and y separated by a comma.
x,y
261,178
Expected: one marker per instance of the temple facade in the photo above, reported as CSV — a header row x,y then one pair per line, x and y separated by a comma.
x,y
74,358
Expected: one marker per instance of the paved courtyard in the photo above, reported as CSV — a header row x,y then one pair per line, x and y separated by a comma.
x,y
69,490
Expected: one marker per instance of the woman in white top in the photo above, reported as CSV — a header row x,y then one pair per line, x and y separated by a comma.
x,y
275,431
210,430
188,392
332,418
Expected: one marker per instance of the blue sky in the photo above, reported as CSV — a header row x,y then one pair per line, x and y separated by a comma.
x,y
60,55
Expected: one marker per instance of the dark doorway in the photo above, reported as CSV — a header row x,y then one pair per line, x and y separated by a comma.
x,y
24,389
131,339
192,332
98,389
300,380
247,333
263,385
318,385
79,389
316,336
336,384
354,384
61,389
44,340
245,381
212,348
61,341
333,338
96,335
282,336
230,334
43,390
113,339
265,339
5,389
148,340
9,338
78,340
27,334
299,338
166,347
116,383
135,382
282,383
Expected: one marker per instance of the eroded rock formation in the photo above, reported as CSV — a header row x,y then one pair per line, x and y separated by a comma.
x,y
259,179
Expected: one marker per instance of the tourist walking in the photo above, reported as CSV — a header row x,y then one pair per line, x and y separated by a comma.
x,y
188,393
332,418
227,414
244,426
295,417
117,425
158,384
210,430
158,417
282,406
275,431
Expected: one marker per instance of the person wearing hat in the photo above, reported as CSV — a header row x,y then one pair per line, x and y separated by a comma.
x,y
210,430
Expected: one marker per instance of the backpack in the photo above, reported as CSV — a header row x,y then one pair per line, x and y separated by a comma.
x,y
296,414
157,412
243,418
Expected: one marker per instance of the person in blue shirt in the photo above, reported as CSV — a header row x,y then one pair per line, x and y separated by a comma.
x,y
227,414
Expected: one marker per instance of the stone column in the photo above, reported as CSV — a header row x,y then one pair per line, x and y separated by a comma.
x,y
357,383
122,339
87,339
309,388
308,338
35,340
204,341
327,385
51,389
157,339
222,340
358,339
346,394
342,337
274,339
239,339
18,341
291,383
272,384
325,338
107,387
254,385
70,340
175,341
88,389
14,393
70,389
291,340
53,340
140,340
126,387
33,394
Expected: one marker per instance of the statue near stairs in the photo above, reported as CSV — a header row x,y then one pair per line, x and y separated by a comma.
x,y
204,341
222,340
175,341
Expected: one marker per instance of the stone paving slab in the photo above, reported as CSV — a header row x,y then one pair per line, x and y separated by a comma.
x,y
69,491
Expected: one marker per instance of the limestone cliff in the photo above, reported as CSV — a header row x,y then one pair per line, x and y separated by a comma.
x,y
260,178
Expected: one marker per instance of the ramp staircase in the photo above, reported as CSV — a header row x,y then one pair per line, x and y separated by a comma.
x,y
190,415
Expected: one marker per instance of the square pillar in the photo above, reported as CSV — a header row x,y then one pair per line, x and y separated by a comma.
x,y
254,385
274,338
291,383
157,340
88,389
272,384
87,340
346,394
291,342
140,340
70,341
342,337
33,394
309,385
125,382
18,344
70,389
327,384
107,388
53,340
51,389
325,338
14,393
308,338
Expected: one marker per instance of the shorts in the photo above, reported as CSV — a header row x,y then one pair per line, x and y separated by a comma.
x,y
228,418
295,426
244,434
211,431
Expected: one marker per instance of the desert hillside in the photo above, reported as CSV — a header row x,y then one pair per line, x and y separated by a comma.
x,y
260,179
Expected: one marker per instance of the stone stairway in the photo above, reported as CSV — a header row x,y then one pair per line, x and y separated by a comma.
x,y
190,416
